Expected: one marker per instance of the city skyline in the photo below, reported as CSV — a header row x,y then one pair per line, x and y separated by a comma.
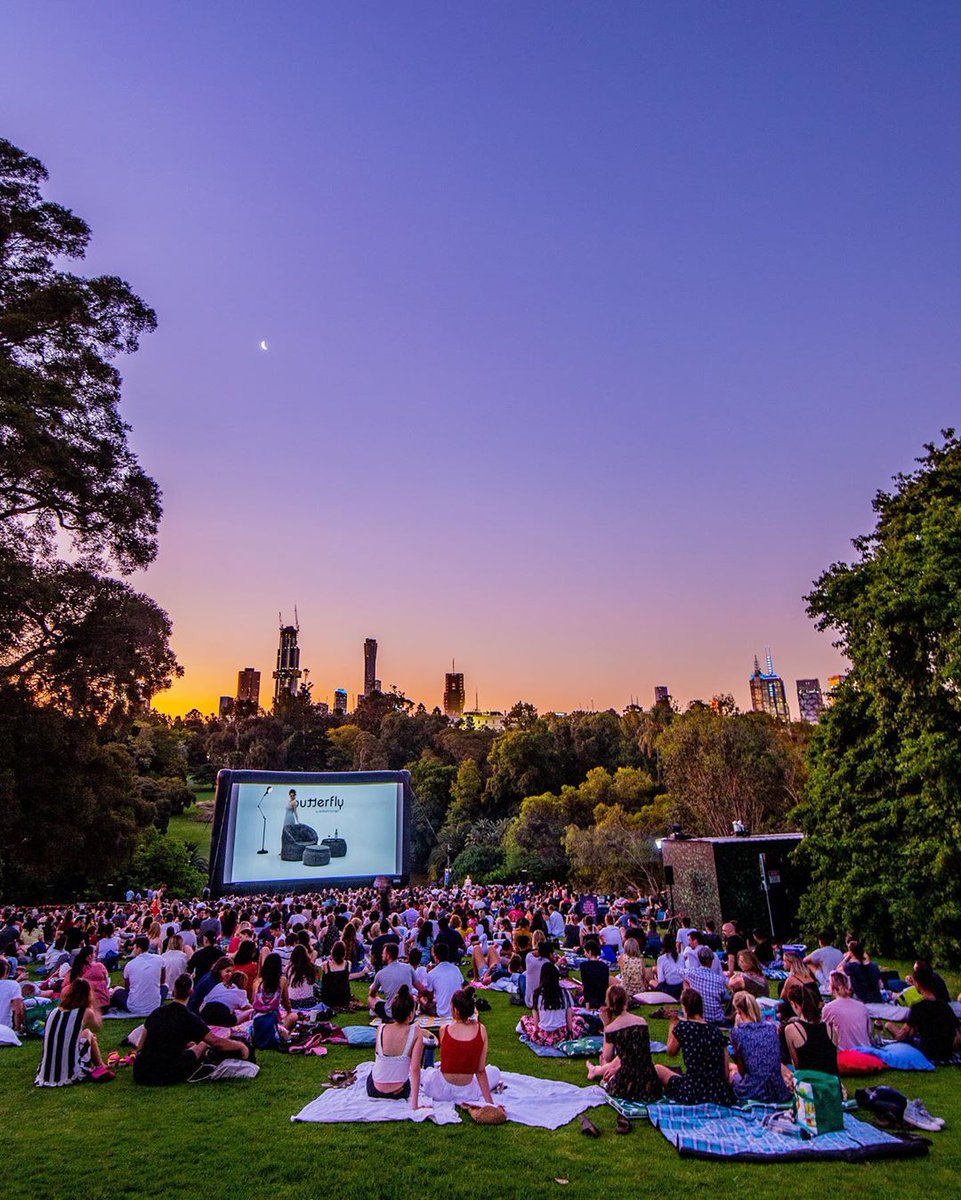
x,y
591,332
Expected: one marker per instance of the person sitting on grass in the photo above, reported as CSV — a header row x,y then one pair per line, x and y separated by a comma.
x,y
670,969
301,977
443,980
931,1024
707,1068
800,974
398,1049
463,1076
712,986
335,979
232,994
533,965
749,976
12,1009
176,1039
756,1072
143,977
864,974
595,976
846,1017
219,973
86,966
552,1020
71,1053
625,1068
271,994
632,969
389,978
810,1043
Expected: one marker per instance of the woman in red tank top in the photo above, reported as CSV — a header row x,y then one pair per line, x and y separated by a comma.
x,y
463,1075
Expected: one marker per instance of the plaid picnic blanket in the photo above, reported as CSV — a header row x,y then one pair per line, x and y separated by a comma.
x,y
712,1131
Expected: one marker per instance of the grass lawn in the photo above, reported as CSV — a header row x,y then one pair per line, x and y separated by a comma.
x,y
235,1140
186,828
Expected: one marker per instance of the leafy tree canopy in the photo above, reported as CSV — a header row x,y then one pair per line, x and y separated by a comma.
x,y
883,813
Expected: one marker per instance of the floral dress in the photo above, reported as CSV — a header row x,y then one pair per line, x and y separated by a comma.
x,y
704,1080
757,1049
636,1078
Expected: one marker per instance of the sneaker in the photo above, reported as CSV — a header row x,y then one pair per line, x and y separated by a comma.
x,y
917,1115
922,1109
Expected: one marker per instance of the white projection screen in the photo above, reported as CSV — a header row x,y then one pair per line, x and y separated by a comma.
x,y
293,831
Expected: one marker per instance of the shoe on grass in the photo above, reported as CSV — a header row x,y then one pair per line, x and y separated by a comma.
x,y
917,1115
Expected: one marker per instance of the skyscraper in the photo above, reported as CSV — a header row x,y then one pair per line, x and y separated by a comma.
x,y
370,666
662,695
288,671
340,701
809,699
248,687
454,694
226,706
767,691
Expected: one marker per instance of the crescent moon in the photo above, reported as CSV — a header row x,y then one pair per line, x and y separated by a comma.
x,y
263,344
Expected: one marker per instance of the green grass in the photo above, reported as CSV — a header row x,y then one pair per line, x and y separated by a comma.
x,y
235,1140
186,828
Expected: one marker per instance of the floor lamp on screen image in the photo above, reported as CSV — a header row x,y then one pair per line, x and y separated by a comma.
x,y
263,839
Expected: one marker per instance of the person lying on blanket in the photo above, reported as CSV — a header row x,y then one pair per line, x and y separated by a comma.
x,y
463,1076
625,1068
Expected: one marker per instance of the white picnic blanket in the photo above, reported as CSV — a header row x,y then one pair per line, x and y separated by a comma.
x,y
8,1037
544,1103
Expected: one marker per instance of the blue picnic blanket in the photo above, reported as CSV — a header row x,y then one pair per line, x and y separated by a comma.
x,y
574,1051
713,1131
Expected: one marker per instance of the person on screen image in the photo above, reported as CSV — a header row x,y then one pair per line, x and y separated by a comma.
x,y
290,814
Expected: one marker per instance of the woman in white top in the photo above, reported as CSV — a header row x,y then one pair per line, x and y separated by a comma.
x,y
670,969
395,1072
174,958
552,1020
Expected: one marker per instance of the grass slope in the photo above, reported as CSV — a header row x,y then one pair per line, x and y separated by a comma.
x,y
235,1140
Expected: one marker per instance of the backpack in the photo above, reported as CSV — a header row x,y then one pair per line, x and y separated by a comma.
x,y
817,1102
264,1031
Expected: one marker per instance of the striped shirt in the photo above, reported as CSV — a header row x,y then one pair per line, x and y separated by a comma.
x,y
65,1056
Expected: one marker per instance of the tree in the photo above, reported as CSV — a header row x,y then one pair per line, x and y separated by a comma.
x,y
165,862
65,463
618,850
882,816
720,769
466,793
431,781
68,804
535,839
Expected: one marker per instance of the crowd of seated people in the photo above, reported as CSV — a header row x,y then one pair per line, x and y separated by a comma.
x,y
263,961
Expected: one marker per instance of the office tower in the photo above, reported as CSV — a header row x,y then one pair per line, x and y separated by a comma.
x,y
226,706
834,682
370,666
288,671
340,701
248,687
767,691
323,708
662,695
809,699
454,693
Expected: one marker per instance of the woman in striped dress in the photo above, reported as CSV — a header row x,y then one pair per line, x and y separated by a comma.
x,y
70,1050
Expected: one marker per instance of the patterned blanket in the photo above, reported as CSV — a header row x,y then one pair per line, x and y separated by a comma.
x,y
711,1131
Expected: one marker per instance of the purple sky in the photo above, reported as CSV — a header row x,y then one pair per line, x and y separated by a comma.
x,y
593,327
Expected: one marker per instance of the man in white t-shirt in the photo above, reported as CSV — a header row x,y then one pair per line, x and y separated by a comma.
x,y
143,977
443,979
683,935
11,999
411,916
